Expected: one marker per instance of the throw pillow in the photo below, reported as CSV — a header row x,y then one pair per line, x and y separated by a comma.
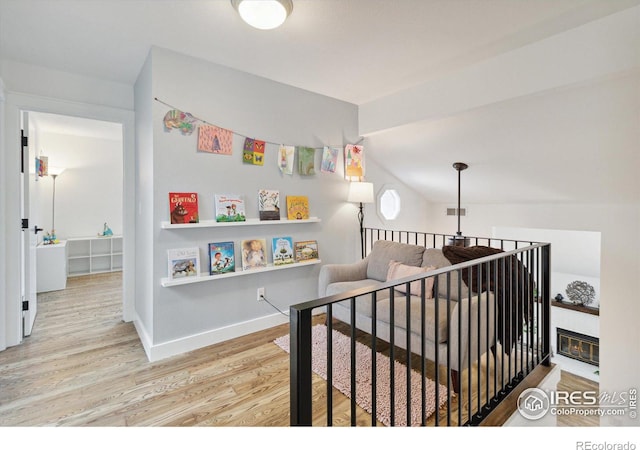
x,y
385,251
398,270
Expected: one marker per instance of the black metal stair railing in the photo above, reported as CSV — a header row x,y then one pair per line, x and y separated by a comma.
x,y
508,329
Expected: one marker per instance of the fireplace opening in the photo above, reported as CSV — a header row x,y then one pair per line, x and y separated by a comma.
x,y
578,346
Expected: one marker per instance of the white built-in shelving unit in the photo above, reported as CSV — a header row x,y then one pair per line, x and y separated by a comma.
x,y
167,282
87,255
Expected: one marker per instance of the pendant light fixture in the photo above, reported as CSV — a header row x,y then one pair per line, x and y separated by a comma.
x,y
458,239
263,14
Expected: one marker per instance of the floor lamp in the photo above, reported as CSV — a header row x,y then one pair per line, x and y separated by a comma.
x,y
458,239
361,192
54,172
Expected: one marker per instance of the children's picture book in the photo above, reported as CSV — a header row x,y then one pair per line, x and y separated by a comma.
x,y
229,208
282,251
183,207
306,251
297,207
329,159
254,254
269,204
184,262
221,258
306,161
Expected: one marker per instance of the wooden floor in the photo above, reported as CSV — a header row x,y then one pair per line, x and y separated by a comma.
x,y
83,366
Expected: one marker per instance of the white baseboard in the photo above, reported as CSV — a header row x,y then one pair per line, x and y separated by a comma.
x,y
145,338
156,352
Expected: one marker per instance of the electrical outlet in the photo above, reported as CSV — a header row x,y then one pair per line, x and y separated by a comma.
x,y
261,294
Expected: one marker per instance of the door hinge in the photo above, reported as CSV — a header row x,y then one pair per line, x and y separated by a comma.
x,y
25,143
25,224
25,305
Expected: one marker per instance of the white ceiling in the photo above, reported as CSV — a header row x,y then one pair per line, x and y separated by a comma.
x,y
346,49
75,126
352,50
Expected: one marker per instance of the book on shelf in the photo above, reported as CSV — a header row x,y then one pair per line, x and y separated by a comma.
x,y
184,262
183,207
229,208
221,258
269,204
254,254
297,207
306,251
282,251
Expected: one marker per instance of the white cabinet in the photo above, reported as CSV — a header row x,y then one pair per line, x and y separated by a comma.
x,y
51,267
94,255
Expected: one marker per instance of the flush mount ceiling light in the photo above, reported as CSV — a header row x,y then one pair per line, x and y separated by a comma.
x,y
263,14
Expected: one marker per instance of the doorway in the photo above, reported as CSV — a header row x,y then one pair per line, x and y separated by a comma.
x,y
78,198
11,314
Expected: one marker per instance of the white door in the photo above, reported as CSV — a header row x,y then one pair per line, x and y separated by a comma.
x,y
30,230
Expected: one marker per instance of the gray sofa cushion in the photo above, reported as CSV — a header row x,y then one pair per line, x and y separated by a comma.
x,y
434,257
384,251
400,315
363,308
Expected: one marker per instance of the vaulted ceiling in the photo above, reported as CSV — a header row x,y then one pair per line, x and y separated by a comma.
x,y
358,51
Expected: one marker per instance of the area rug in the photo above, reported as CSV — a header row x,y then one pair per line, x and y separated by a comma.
x,y
342,378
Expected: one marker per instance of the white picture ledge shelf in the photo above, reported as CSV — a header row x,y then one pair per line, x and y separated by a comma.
x,y
166,282
248,222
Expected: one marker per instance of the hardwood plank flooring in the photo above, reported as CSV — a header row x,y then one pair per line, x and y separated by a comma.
x,y
570,382
83,366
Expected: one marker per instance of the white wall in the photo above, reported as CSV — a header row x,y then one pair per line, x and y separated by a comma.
x,y
50,83
413,214
144,187
89,191
186,317
576,255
